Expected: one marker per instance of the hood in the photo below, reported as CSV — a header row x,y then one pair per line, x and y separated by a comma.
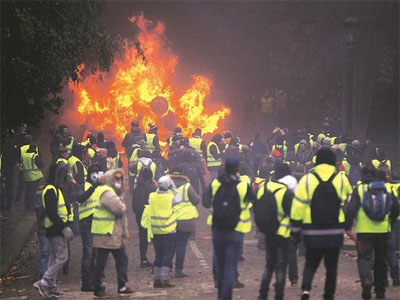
x,y
289,181
179,179
109,176
61,175
228,178
92,169
145,161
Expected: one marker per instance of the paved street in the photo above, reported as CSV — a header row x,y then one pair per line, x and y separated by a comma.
x,y
198,265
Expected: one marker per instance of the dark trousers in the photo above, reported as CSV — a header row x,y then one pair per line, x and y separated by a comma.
x,y
88,253
313,259
182,238
121,264
30,194
20,188
142,238
277,253
371,250
164,246
227,246
293,270
393,246
7,188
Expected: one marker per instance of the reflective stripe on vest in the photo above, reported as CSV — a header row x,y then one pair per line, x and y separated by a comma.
x,y
103,220
87,208
134,157
69,146
195,142
61,207
30,171
387,162
116,161
149,142
363,223
244,224
162,215
284,220
185,210
211,161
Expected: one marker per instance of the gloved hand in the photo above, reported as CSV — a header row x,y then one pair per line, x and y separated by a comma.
x,y
68,234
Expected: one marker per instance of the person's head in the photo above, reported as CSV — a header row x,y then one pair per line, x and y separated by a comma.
x,y
303,145
92,139
326,142
100,136
63,152
281,170
380,153
164,183
326,127
110,145
27,139
184,142
51,177
61,175
145,176
103,152
381,175
197,132
276,155
368,174
115,179
178,169
217,138
94,174
63,128
77,151
153,128
234,141
227,136
232,165
279,140
135,124
326,156
178,131
355,144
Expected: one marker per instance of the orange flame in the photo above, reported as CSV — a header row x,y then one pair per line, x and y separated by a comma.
x,y
139,86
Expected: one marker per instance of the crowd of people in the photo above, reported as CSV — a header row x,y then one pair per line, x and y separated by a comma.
x,y
302,190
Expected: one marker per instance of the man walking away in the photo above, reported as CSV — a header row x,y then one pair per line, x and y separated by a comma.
x,y
317,212
228,197
375,209
272,211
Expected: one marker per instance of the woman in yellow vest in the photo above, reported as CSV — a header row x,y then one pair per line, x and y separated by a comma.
x,y
109,229
57,230
186,215
163,226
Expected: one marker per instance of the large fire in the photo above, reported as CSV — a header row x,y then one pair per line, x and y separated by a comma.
x,y
139,86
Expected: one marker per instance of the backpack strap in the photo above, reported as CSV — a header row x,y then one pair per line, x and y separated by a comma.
x,y
320,180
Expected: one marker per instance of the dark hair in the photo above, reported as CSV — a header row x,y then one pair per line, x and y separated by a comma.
x,y
146,175
51,177
326,156
281,170
381,175
77,150
368,174
231,164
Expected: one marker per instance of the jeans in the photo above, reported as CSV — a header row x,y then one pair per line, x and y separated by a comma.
x,y
371,250
293,270
164,246
227,246
393,246
142,238
182,238
121,264
44,252
277,253
30,194
313,259
88,253
57,258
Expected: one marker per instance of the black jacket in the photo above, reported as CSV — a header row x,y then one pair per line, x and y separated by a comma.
x,y
140,196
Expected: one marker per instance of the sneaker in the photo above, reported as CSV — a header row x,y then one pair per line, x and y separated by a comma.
x,y
180,274
42,289
102,294
238,284
305,295
166,284
145,263
125,291
55,291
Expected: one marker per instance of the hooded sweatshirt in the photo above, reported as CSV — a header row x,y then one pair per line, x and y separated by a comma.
x,y
114,202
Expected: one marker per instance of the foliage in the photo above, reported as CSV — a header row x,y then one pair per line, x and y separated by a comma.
x,y
42,43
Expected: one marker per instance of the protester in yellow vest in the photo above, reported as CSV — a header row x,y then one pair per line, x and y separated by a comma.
x,y
31,165
132,163
87,202
110,229
198,144
214,155
229,197
152,141
372,232
186,215
278,234
57,230
160,221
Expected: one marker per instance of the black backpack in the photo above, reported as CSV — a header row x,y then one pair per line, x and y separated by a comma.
x,y
325,203
226,207
266,212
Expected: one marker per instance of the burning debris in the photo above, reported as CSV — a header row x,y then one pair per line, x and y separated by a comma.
x,y
139,86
